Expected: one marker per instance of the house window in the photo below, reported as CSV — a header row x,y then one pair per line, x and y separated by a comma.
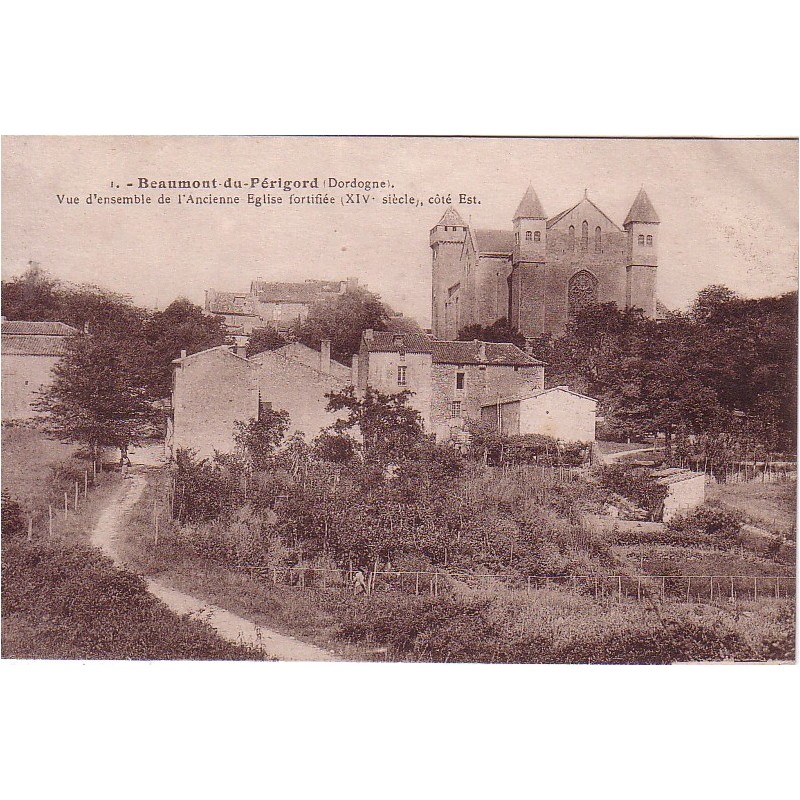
x,y
649,241
598,240
455,409
459,380
641,238
528,236
537,236
401,376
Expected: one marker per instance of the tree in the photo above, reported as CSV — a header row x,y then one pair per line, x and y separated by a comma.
x,y
181,326
389,427
263,339
259,438
342,320
499,331
98,396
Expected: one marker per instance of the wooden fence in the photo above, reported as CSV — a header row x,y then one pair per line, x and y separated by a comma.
x,y
605,588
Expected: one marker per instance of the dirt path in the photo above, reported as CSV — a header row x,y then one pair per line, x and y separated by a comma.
x,y
106,534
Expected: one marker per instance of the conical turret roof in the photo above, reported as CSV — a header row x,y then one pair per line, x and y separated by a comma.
x,y
530,207
451,217
642,210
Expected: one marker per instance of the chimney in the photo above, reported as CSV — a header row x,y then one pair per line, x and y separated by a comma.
x,y
398,340
183,354
369,335
325,356
240,350
529,346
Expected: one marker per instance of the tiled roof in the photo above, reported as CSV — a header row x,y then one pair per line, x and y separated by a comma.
x,y
25,327
493,241
33,345
222,348
388,342
530,207
497,354
451,352
231,303
306,292
642,210
451,217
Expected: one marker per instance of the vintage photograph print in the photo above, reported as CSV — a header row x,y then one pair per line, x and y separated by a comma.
x,y
496,400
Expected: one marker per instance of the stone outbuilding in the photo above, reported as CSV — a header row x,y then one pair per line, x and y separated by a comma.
x,y
30,350
686,490
558,412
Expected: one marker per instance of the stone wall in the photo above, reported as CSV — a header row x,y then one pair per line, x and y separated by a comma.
x,y
23,377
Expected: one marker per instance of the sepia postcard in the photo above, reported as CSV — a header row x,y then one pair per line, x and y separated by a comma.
x,y
405,399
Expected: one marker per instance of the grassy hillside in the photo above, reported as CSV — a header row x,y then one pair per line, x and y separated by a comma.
x,y
61,598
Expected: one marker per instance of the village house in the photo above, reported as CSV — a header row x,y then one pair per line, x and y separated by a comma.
x,y
278,305
449,379
30,350
214,389
557,412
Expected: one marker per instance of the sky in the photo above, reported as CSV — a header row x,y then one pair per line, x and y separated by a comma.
x,y
728,209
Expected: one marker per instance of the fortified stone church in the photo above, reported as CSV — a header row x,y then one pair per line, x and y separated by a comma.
x,y
543,270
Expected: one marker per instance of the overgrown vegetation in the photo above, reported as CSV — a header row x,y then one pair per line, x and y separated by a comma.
x,y
61,597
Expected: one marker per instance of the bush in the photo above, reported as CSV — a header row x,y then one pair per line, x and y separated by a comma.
x,y
636,484
12,518
719,524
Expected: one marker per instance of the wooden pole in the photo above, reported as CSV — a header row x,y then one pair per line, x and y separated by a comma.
x,y
85,483
619,588
663,587
66,505
639,589
528,590
688,590
712,588
50,519
30,527
755,588
156,534
76,495
416,588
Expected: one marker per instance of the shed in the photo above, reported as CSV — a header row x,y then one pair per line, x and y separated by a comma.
x,y
685,490
558,412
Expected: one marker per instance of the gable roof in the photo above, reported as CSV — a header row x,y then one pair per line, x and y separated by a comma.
x,y
29,328
533,394
558,217
642,210
224,348
451,352
530,207
451,217
502,354
33,345
389,342
311,358
309,291
494,241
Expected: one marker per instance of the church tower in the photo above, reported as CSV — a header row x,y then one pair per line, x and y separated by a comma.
x,y
528,280
447,243
641,227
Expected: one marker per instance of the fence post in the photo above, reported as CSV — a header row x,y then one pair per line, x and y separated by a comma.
x,y
711,578
416,588
85,483
755,587
595,588
30,527
66,505
639,589
663,587
50,519
76,495
155,538
619,588
689,589
528,590
777,588
733,595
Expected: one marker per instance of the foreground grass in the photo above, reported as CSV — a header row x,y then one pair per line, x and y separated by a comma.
x,y
546,626
61,598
